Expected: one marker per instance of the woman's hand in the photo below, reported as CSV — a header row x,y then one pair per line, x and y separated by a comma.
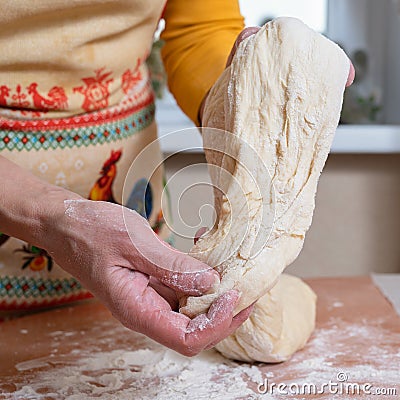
x,y
116,255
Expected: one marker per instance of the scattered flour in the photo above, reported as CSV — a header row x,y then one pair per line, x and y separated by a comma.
x,y
106,368
362,353
143,374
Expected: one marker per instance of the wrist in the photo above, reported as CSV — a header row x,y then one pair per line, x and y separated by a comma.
x,y
28,205
49,216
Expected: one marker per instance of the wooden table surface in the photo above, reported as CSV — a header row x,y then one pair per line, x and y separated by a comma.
x,y
357,339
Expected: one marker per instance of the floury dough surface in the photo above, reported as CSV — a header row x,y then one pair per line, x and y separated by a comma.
x,y
281,100
280,324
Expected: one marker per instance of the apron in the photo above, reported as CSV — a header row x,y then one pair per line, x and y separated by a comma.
x,y
90,154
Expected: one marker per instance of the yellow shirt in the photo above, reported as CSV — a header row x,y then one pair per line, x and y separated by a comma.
x,y
199,36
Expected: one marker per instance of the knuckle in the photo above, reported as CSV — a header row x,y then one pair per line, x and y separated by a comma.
x,y
191,345
178,262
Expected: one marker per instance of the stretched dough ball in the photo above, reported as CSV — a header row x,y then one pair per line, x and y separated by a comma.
x,y
280,324
279,104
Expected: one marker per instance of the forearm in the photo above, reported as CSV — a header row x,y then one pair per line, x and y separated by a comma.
x,y
27,204
198,39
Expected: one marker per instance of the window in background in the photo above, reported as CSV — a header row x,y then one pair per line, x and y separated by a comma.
x,y
312,12
369,31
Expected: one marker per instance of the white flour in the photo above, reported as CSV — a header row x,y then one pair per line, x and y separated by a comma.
x,y
142,374
363,352
370,358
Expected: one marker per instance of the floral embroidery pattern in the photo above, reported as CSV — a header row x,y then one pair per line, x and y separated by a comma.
x,y
21,99
31,101
56,98
4,93
131,78
96,91
36,259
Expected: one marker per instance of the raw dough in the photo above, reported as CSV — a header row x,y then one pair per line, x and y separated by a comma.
x,y
280,324
281,99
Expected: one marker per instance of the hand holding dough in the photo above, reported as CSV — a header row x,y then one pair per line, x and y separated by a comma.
x,y
274,112
281,98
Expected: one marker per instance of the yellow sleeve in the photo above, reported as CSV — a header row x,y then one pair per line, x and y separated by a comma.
x,y
198,35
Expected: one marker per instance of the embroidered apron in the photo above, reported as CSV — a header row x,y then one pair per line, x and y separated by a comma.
x,y
89,154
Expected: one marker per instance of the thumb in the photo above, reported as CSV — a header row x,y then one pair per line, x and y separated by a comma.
x,y
173,268
185,274
242,35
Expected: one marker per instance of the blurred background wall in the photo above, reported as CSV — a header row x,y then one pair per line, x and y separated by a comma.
x,y
356,225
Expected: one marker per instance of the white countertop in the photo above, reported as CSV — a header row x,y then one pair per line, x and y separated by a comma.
x,y
354,139
389,285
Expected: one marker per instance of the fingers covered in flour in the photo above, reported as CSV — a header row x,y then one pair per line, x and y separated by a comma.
x,y
205,330
182,334
169,266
